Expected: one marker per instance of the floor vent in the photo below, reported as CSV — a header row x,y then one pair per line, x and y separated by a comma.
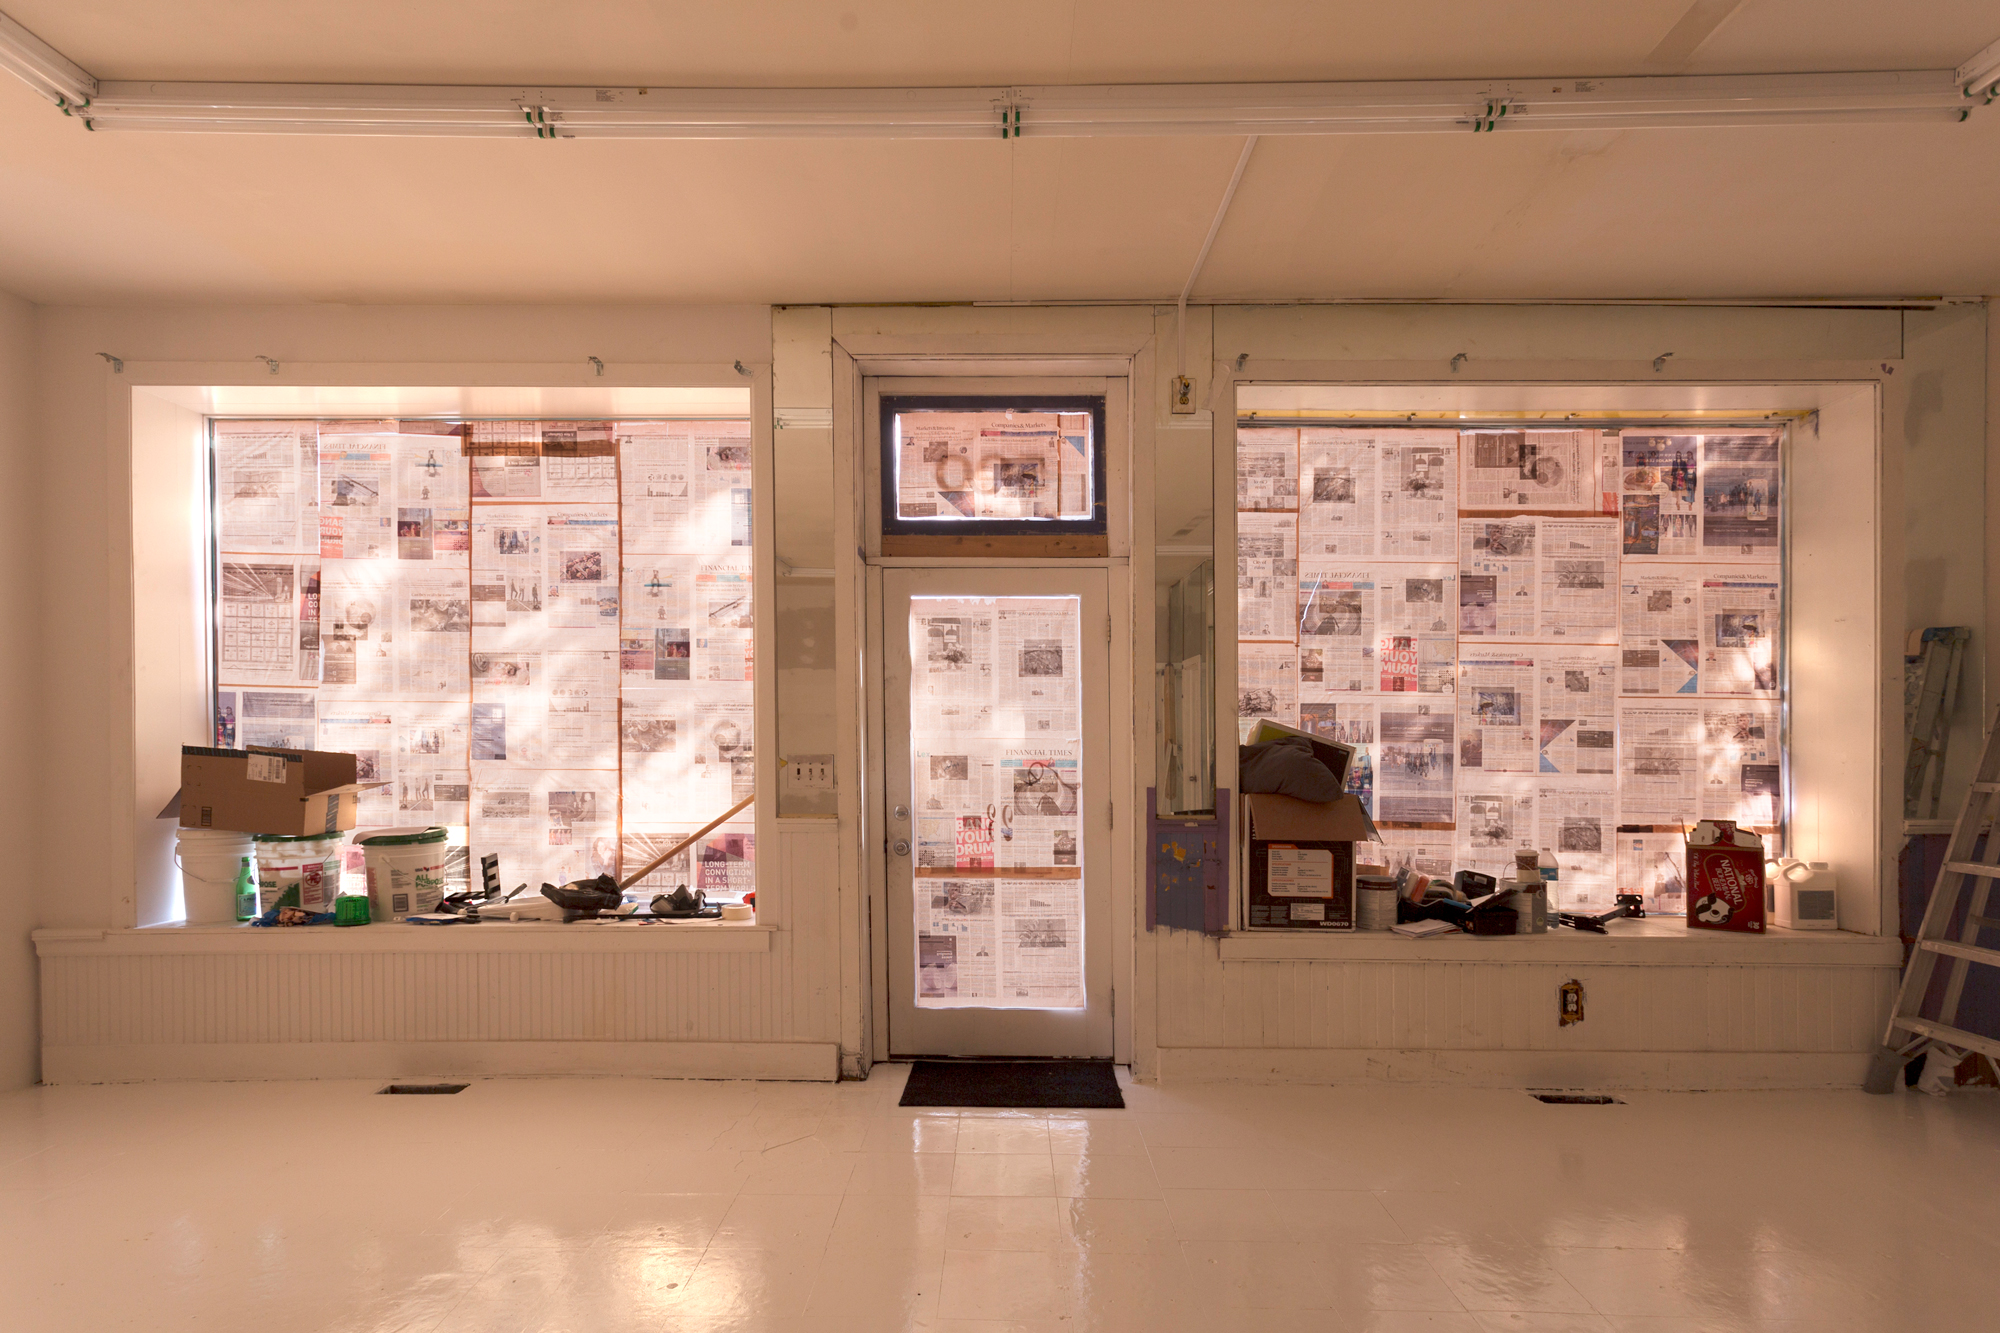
x,y
423,1089
1577,1099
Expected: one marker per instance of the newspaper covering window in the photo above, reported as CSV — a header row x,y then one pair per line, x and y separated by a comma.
x,y
1654,865
1336,629
1416,646
1536,470
1658,496
1741,765
1579,580
1496,818
1497,698
1337,493
993,464
1498,578
1612,619
1353,724
445,601
997,781
1578,712
1659,624
1267,570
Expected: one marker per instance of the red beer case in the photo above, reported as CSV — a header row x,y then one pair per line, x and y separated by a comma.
x,y
1725,868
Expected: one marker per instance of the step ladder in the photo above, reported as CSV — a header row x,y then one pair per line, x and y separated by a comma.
x,y
1962,878
1931,669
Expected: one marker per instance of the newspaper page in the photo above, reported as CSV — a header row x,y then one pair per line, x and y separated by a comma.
x,y
1041,943
579,462
580,585
1349,723
1579,580
267,621
1429,851
548,826
506,460
266,487
962,465
1741,765
1417,471
687,754
1039,816
1267,685
1659,763
1540,470
1657,496
958,802
1267,469
368,732
685,486
433,631
1579,825
1659,626
357,501
1498,578
537,568
1496,817
1336,628
1654,865
722,864
1416,638
1413,764
1609,460
1496,714
724,648
1337,492
952,665
1267,571
283,719
359,628
1739,632
1038,666
431,758
656,626
1578,707
958,945
1740,496
1075,473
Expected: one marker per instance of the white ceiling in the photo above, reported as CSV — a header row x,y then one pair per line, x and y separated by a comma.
x,y
1809,212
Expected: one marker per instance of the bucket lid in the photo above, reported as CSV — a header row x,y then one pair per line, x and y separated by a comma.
x,y
403,837
186,834
298,837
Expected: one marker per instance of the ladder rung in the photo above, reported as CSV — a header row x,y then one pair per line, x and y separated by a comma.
x,y
1993,921
1973,868
1969,1041
1986,786
1970,952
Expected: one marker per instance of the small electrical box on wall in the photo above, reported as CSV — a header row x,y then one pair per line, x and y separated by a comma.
x,y
808,772
1183,396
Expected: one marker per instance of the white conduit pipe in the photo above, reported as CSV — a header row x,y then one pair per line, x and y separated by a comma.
x,y
1180,311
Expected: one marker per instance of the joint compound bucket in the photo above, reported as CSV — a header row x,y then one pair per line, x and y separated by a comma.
x,y
210,860
406,871
298,872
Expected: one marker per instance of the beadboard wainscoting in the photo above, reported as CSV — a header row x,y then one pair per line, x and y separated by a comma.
x,y
394,1001
1664,1008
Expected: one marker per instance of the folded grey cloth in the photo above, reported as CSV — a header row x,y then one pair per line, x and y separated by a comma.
x,y
1288,767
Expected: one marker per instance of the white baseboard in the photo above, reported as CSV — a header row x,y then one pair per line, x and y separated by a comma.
x,y
1659,1071
223,1061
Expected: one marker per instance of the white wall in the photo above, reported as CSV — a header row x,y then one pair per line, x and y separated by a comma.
x,y
19,690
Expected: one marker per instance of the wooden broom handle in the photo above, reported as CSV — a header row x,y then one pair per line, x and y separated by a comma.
x,y
675,850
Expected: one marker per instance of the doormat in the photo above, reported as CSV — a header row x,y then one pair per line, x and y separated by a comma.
x,y
1019,1084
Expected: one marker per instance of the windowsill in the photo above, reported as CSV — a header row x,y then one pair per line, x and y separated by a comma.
x,y
484,937
1653,940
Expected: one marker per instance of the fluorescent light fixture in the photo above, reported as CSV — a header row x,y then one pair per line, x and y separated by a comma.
x,y
1082,111
43,68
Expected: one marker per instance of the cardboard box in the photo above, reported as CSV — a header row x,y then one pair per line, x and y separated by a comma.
x,y
260,790
1299,861
1725,877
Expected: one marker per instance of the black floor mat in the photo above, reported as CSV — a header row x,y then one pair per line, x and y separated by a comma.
x,y
1022,1084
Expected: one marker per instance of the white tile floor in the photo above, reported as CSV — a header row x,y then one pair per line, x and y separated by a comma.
x,y
640,1204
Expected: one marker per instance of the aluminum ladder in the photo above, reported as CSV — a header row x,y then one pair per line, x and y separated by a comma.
x,y
1962,878
1930,697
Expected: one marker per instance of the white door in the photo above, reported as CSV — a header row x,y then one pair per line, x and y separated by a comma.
x,y
997,808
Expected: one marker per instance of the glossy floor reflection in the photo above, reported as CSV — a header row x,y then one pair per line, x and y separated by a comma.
x,y
606,1205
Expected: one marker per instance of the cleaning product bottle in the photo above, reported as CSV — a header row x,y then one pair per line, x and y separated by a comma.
x,y
1551,872
246,892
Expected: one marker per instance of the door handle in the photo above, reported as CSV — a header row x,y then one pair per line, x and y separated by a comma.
x,y
901,847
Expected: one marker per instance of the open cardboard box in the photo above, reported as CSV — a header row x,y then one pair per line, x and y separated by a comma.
x,y
292,793
1314,837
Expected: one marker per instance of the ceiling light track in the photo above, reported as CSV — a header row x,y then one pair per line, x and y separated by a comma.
x,y
1485,106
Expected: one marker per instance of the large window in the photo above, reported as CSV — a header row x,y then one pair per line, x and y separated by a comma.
x,y
537,633
1567,639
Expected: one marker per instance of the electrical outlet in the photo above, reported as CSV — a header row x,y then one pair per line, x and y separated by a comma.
x,y
809,772
1182,400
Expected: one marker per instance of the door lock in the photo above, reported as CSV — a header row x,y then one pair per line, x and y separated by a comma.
x,y
901,812
901,847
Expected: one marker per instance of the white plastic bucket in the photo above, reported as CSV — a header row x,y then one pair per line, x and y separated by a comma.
x,y
210,860
406,871
285,865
